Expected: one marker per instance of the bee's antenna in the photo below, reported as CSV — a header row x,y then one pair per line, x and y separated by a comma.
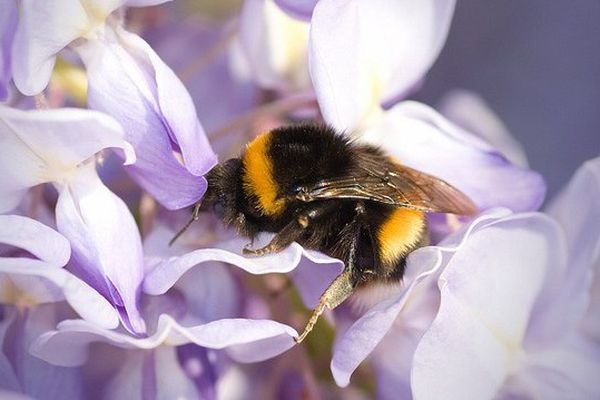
x,y
195,216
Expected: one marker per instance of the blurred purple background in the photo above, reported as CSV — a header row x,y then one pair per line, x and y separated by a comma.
x,y
537,64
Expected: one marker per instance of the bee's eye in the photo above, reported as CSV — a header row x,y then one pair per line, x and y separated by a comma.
x,y
219,209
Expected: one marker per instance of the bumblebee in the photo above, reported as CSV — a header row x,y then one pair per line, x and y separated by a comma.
x,y
349,200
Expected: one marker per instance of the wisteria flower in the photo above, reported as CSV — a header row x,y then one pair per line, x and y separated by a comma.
x,y
189,319
33,284
474,339
358,75
59,146
126,80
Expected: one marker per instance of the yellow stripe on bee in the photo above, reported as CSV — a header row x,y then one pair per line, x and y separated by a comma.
x,y
258,175
399,233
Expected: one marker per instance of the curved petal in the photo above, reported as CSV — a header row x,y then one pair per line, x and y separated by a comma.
x,y
275,46
37,238
176,107
44,29
47,145
105,242
355,65
68,346
168,271
423,139
488,290
42,281
128,81
368,331
472,113
8,26
577,209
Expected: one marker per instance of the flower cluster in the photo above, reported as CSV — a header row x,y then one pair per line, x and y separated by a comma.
x,y
113,112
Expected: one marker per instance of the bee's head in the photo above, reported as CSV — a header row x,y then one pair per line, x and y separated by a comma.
x,y
221,196
226,198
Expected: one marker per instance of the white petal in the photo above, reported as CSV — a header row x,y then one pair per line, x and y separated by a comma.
x,y
471,112
42,283
47,145
44,29
362,54
488,290
421,138
248,340
38,239
368,331
105,241
577,209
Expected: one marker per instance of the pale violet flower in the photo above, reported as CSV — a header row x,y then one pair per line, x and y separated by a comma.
x,y
188,319
508,315
59,147
33,285
357,69
126,80
365,54
372,71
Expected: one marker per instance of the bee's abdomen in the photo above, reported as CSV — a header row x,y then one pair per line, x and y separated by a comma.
x,y
397,235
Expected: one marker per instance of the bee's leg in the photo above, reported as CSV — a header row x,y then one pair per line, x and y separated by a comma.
x,y
342,286
280,241
293,230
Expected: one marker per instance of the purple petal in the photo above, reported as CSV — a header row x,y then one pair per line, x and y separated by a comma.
x,y
153,374
423,139
472,113
577,209
42,281
38,239
8,26
47,145
44,29
36,378
167,272
197,366
105,242
128,81
354,64
488,290
299,9
247,340
362,337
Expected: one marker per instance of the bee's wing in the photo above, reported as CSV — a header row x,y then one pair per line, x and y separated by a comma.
x,y
400,186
